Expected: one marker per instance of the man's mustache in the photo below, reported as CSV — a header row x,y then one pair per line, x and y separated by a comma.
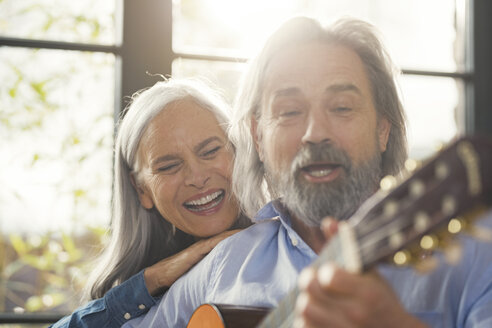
x,y
320,153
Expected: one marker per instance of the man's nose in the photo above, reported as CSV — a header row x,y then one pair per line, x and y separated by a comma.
x,y
317,128
197,175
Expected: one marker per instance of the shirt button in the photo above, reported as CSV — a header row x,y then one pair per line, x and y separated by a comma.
x,y
294,241
141,306
127,316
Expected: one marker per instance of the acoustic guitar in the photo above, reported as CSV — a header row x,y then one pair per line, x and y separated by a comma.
x,y
402,223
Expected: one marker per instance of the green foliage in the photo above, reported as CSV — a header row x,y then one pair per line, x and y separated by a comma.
x,y
40,272
47,271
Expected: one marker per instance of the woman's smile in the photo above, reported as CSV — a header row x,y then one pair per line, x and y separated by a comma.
x,y
206,203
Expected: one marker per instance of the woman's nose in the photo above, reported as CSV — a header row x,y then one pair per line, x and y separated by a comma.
x,y
197,175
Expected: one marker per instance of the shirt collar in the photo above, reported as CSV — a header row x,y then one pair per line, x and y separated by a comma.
x,y
271,210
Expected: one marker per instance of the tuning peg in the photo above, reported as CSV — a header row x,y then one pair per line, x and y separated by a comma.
x,y
416,188
441,170
412,164
390,209
388,182
402,258
421,221
429,242
456,225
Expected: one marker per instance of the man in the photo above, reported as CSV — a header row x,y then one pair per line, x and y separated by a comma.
x,y
317,123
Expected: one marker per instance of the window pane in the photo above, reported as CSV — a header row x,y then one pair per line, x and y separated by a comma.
x,y
56,127
222,74
419,33
431,104
85,21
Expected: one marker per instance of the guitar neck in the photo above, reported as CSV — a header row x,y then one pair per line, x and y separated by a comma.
x,y
453,183
438,201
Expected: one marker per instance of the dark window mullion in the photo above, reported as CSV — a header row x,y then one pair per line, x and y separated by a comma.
x,y
57,45
481,53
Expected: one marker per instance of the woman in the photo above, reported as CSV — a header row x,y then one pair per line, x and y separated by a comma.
x,y
173,166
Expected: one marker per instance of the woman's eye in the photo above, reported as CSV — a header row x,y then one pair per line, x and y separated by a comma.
x,y
211,152
168,168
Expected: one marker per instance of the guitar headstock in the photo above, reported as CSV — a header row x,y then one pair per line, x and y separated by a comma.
x,y
424,212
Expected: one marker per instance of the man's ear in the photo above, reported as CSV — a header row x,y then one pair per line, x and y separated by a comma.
x,y
384,128
143,195
256,137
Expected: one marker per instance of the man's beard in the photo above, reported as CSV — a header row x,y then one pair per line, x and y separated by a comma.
x,y
311,202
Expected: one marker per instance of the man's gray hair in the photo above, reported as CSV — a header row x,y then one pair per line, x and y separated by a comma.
x,y
141,237
249,174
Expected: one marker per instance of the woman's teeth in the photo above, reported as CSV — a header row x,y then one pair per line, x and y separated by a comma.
x,y
209,200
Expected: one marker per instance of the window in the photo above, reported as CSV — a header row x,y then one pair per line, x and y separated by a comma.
x,y
56,126
67,68
424,39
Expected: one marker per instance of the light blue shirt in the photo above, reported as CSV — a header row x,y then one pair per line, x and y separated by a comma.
x,y
260,265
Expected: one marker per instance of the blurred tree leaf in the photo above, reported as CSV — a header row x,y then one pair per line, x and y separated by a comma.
x,y
35,158
34,303
39,88
69,245
55,280
12,268
39,262
79,193
13,92
18,244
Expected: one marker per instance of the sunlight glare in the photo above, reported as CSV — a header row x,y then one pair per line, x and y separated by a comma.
x,y
255,19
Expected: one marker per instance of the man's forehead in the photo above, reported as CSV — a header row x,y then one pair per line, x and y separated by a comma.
x,y
315,68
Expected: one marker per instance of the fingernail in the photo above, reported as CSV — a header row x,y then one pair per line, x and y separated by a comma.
x,y
306,276
301,302
298,323
325,274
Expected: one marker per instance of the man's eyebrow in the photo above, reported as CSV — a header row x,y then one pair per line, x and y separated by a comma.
x,y
343,87
286,92
334,88
205,142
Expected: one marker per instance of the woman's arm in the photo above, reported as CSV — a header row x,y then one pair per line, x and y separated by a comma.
x,y
164,273
136,295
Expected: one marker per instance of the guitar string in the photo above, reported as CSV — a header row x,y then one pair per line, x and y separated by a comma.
x,y
287,304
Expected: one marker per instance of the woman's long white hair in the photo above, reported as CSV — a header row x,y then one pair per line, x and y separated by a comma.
x,y
248,178
141,237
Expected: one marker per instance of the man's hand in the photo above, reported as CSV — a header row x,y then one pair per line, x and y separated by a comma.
x,y
333,297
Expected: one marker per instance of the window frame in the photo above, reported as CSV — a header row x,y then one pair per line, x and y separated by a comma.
x,y
140,53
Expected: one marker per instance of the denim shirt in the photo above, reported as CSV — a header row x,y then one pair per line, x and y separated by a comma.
x,y
260,265
119,304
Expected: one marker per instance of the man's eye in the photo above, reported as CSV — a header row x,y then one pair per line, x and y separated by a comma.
x,y
290,113
342,109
